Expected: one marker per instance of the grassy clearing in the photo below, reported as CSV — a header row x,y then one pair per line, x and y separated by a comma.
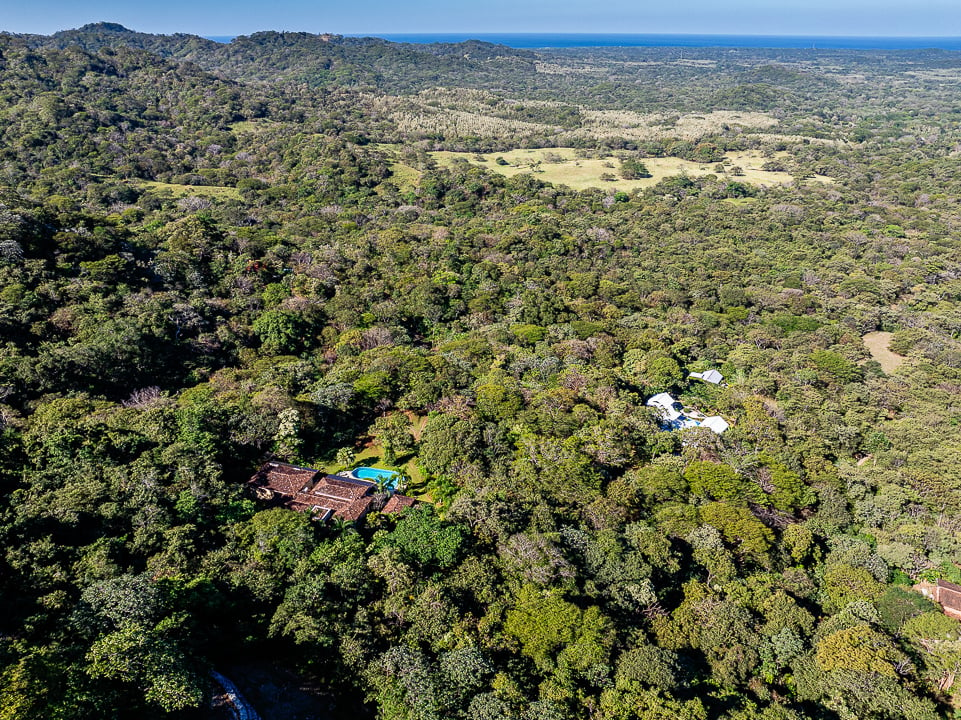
x,y
417,425
370,457
582,173
252,126
218,192
877,345
404,176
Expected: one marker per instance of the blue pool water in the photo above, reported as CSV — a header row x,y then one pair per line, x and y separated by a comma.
x,y
372,474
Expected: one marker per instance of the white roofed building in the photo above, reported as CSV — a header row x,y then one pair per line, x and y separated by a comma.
x,y
710,376
665,403
674,418
716,423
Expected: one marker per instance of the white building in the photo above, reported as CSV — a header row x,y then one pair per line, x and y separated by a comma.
x,y
672,412
710,376
716,423
669,408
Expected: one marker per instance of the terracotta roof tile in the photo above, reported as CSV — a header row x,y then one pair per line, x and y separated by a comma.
x,y
949,586
356,510
305,490
283,479
949,595
339,488
396,503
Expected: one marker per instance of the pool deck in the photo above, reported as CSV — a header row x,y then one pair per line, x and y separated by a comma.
x,y
379,472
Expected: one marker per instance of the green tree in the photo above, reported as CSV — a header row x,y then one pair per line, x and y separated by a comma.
x,y
424,538
633,169
268,547
280,331
393,432
345,457
748,535
145,659
937,639
720,482
551,630
844,584
287,438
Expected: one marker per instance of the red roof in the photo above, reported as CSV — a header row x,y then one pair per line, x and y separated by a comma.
x,y
357,509
340,489
949,595
305,490
283,479
396,503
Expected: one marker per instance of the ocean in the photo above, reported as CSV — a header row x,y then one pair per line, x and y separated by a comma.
x,y
586,40
550,40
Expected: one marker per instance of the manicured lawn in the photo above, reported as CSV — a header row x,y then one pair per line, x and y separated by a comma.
x,y
370,457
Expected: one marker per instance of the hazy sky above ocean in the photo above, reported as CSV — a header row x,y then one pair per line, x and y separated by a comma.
x,y
576,40
381,17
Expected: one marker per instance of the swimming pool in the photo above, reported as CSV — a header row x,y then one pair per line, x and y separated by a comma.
x,y
373,474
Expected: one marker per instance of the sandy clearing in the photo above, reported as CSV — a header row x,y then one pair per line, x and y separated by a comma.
x,y
877,344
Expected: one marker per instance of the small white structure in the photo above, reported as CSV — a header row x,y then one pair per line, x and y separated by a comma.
x,y
669,408
710,376
716,423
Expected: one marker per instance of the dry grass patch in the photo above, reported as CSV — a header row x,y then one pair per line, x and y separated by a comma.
x,y
547,68
877,344
478,113
696,126
460,123
218,192
939,75
650,126
404,176
646,126
696,63
580,173
252,126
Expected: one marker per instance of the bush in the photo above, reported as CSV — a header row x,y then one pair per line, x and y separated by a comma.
x,y
632,169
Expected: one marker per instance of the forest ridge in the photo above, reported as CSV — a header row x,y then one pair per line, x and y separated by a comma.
x,y
326,251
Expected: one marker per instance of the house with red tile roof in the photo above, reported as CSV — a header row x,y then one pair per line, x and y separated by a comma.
x,y
324,496
946,594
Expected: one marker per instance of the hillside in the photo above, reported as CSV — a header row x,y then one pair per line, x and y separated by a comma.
x,y
334,252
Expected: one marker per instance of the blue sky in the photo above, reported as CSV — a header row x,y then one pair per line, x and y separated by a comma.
x,y
739,17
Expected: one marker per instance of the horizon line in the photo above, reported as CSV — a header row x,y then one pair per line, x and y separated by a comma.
x,y
567,33
634,34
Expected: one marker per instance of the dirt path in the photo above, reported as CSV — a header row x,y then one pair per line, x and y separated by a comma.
x,y
877,345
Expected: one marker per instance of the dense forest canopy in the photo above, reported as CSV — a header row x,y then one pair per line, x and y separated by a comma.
x,y
215,254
